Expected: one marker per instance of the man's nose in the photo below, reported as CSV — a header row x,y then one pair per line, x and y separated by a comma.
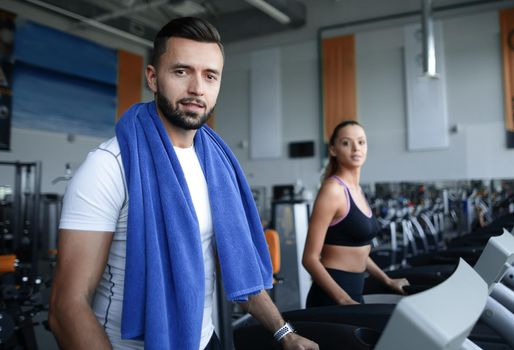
x,y
196,85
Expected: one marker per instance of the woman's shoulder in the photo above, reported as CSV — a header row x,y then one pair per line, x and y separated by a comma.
x,y
332,187
331,197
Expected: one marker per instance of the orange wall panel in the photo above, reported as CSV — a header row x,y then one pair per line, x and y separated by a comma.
x,y
339,82
130,70
507,39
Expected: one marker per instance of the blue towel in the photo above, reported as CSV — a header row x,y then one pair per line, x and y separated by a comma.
x,y
164,278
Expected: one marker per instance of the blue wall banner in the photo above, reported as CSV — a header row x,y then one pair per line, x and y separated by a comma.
x,y
63,83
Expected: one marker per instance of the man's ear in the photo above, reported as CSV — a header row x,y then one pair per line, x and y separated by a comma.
x,y
151,77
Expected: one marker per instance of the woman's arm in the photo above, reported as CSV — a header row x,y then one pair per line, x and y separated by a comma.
x,y
395,284
330,202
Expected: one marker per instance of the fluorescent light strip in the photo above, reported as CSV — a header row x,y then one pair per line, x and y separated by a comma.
x,y
270,11
93,23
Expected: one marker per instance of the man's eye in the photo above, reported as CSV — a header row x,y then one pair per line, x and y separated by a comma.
x,y
212,77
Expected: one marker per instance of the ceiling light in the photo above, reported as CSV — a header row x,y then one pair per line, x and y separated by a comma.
x,y
188,8
270,10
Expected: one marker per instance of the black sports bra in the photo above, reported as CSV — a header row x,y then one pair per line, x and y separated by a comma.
x,y
355,229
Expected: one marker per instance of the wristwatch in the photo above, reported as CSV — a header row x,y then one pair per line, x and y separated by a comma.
x,y
283,331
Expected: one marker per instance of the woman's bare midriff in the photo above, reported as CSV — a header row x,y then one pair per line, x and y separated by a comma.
x,y
351,259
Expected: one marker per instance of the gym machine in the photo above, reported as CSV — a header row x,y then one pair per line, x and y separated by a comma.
x,y
20,281
362,320
417,322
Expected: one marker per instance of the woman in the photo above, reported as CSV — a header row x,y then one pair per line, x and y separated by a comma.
x,y
342,226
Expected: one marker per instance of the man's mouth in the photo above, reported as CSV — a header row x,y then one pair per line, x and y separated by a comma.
x,y
192,103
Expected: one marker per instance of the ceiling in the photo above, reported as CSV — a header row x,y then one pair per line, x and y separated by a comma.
x,y
140,20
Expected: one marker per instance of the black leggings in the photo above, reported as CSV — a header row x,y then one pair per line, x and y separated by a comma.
x,y
351,282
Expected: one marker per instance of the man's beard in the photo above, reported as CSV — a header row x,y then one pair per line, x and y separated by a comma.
x,y
184,120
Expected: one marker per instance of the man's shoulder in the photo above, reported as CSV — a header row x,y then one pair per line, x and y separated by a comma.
x,y
110,146
107,154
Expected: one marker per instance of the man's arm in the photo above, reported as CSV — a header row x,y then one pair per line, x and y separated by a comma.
x,y
82,256
261,307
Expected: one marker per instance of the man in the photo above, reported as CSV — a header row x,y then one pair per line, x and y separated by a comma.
x,y
148,212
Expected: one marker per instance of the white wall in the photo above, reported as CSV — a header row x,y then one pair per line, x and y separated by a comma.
x,y
52,149
474,87
299,113
475,106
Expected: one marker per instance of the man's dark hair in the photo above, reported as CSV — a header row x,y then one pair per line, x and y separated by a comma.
x,y
192,28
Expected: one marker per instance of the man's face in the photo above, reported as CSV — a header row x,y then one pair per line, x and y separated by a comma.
x,y
186,82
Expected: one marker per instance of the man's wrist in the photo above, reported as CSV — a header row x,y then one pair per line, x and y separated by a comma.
x,y
288,338
283,331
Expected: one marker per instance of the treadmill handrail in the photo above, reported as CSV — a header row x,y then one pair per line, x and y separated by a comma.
x,y
439,318
496,257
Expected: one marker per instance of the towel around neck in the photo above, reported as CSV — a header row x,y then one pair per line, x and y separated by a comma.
x,y
164,276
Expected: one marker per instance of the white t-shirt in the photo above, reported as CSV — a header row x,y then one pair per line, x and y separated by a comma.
x,y
96,199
